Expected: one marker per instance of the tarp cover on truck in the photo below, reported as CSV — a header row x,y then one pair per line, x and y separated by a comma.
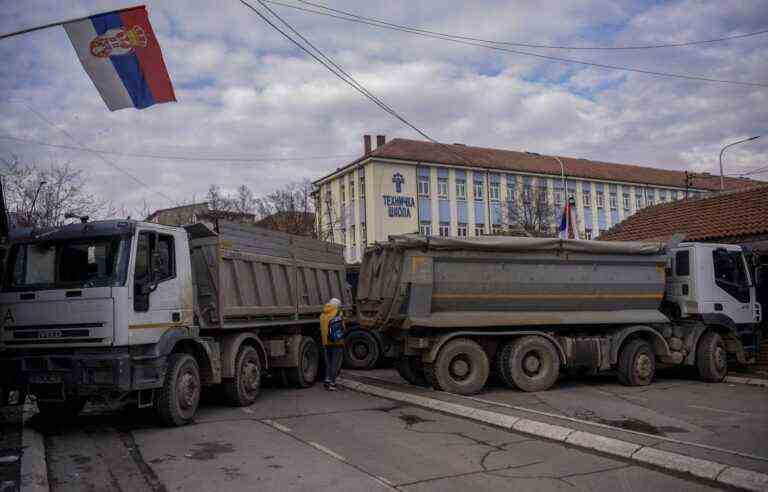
x,y
528,244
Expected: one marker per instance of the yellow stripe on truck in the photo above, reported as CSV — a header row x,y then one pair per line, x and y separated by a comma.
x,y
658,296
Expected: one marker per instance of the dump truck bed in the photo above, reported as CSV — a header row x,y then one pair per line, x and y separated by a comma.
x,y
247,276
413,281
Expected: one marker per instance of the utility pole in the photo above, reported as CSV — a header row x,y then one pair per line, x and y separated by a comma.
x,y
722,176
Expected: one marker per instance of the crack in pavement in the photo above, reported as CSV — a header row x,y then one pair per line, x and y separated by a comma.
x,y
466,474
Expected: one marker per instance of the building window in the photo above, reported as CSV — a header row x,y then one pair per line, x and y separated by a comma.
x,y
527,194
352,238
599,199
343,194
497,229
587,199
587,233
614,201
511,191
638,202
343,237
558,198
445,229
543,195
423,186
425,228
462,230
649,200
479,229
362,186
351,189
461,189
494,191
442,187
478,189
363,235
625,201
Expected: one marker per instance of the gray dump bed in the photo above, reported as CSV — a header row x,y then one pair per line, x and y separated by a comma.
x,y
247,276
413,281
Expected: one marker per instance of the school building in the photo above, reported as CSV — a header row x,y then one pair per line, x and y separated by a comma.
x,y
408,186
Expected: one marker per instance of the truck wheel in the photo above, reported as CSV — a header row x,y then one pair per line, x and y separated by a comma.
x,y
361,350
637,363
242,390
411,369
711,357
57,411
305,374
180,394
461,367
530,363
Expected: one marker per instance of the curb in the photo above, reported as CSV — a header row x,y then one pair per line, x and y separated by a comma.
x,y
749,381
679,463
34,469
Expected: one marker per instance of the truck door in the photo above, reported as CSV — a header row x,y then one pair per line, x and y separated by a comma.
x,y
732,286
156,287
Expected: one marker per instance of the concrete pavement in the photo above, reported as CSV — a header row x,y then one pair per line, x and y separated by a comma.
x,y
316,440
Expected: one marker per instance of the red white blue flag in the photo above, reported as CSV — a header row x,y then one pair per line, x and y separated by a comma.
x,y
568,221
122,56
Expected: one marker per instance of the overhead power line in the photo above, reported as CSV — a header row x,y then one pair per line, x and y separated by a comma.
x,y
175,157
529,45
481,44
338,71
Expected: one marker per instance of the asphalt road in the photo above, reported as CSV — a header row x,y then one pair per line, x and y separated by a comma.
x,y
10,448
316,440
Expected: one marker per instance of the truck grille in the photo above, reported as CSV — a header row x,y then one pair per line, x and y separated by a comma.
x,y
53,333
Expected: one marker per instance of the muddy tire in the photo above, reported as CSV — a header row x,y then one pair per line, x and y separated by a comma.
x,y
411,369
305,374
530,363
361,350
57,411
637,363
180,395
461,367
711,357
242,390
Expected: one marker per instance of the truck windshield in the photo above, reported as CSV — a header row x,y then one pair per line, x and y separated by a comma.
x,y
80,263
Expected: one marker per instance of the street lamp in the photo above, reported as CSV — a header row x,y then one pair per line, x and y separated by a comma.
x,y
722,179
562,173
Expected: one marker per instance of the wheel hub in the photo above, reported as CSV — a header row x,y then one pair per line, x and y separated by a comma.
x,y
532,363
643,366
360,350
720,359
251,376
188,388
460,367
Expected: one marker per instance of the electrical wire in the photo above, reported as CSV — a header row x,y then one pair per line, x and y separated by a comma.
x,y
530,45
176,157
396,27
339,72
95,152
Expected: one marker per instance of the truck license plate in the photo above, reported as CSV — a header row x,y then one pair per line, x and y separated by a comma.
x,y
44,378
49,334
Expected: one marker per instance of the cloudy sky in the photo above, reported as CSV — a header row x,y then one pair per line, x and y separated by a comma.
x,y
244,92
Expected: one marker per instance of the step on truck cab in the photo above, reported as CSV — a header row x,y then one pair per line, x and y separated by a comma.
x,y
527,309
121,310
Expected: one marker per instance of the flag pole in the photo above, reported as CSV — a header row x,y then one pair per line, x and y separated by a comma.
x,y
54,24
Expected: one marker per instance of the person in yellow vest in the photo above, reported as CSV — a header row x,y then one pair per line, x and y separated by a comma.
x,y
332,333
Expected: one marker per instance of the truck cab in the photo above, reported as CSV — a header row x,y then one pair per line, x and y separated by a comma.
x,y
713,283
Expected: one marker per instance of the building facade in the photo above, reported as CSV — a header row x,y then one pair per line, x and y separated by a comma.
x,y
407,186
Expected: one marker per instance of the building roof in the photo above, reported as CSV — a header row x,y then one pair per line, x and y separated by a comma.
x,y
728,215
179,207
527,162
292,222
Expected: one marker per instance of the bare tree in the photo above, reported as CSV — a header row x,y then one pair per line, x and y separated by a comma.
x,y
40,196
529,210
289,209
244,202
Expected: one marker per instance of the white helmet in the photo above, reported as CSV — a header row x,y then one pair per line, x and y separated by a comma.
x,y
335,302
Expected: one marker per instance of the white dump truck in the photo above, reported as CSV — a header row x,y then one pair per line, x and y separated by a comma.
x,y
122,310
458,310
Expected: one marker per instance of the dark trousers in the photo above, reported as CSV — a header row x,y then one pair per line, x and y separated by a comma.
x,y
333,357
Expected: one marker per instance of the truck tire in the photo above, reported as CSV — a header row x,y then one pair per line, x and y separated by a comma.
x,y
58,411
530,363
242,390
361,350
637,363
411,369
305,374
180,395
461,367
711,357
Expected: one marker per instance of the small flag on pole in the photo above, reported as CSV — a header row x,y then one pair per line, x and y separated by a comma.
x,y
122,56
568,221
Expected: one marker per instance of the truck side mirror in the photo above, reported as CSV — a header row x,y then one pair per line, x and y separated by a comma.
x,y
759,276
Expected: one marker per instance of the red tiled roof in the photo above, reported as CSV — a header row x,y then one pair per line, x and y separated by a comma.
x,y
509,160
728,215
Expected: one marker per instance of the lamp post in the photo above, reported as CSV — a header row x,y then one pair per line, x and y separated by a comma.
x,y
562,173
722,178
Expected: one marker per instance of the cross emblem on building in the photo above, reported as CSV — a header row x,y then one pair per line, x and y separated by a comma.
x,y
398,179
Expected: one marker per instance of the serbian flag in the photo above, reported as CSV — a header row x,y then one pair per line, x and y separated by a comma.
x,y
121,55
568,221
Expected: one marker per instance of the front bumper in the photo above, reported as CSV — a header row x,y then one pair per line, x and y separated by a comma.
x,y
60,374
